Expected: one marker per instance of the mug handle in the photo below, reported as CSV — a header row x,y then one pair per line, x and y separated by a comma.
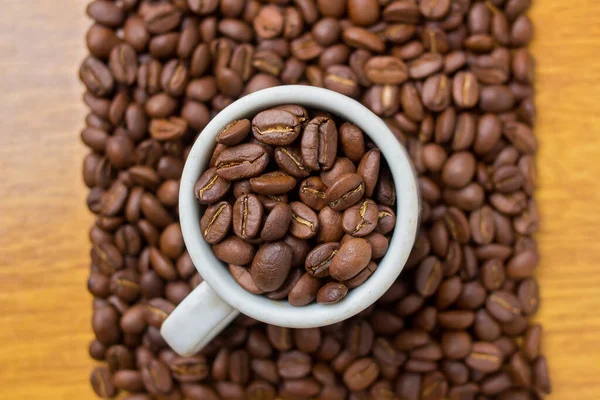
x,y
197,320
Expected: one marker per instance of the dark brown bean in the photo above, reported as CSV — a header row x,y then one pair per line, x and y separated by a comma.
x,y
304,291
277,223
233,250
242,161
271,265
319,259
247,216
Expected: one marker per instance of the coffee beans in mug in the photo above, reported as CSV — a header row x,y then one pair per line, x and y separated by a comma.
x,y
304,144
454,82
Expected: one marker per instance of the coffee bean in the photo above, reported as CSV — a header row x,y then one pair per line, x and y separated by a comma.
x,y
352,141
484,357
305,48
244,279
269,22
157,378
361,374
290,161
352,257
503,306
100,40
242,161
363,39
331,293
294,364
277,223
319,144
234,133
341,79
341,166
233,250
457,225
216,222
305,222
247,216
361,219
429,276
102,382
304,291
386,70
96,77
425,65
271,265
541,380
272,183
344,193
465,90
319,259
276,127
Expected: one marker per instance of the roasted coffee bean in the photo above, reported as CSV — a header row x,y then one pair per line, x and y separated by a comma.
x,y
319,259
304,291
340,78
290,161
361,219
234,133
362,276
96,76
368,170
319,143
272,183
247,216
352,257
244,279
277,223
271,265
233,250
157,377
103,383
436,93
352,141
345,192
216,222
312,192
305,222
484,357
363,39
386,70
379,244
341,166
294,364
502,305
361,374
242,161
276,127
429,276
331,293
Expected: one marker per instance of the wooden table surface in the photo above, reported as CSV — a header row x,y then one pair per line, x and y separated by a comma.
x,y
45,310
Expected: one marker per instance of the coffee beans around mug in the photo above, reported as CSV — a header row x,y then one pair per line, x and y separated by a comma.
x,y
469,89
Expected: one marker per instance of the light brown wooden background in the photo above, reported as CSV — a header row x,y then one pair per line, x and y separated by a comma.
x,y
44,306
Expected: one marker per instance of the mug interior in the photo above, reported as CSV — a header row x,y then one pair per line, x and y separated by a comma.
x,y
280,312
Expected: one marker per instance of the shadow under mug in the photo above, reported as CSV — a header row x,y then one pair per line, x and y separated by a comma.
x,y
210,307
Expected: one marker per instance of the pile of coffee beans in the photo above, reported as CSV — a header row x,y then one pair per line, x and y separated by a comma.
x,y
452,79
303,220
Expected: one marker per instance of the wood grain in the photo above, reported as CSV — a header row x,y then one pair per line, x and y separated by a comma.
x,y
44,251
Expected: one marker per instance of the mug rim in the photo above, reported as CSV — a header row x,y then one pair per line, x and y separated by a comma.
x,y
280,312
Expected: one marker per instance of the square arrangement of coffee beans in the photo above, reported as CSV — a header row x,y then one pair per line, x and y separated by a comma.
x,y
454,82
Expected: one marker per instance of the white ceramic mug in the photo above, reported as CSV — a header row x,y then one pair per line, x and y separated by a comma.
x,y
219,299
